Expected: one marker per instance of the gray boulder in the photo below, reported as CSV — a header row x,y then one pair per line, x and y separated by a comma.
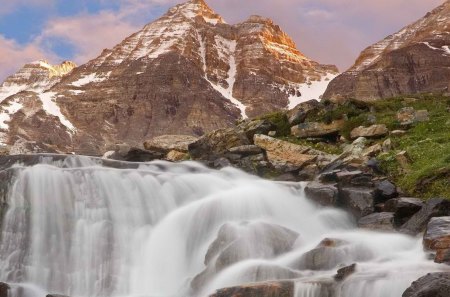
x,y
431,285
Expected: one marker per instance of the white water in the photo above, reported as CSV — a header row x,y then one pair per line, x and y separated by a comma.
x,y
79,229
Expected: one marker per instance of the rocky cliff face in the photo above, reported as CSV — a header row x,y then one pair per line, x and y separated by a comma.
x,y
414,60
186,73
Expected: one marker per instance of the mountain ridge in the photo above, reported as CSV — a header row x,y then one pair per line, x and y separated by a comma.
x,y
188,72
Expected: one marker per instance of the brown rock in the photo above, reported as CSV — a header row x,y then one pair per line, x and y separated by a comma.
x,y
378,221
176,156
315,129
217,143
373,131
437,238
167,143
281,153
267,289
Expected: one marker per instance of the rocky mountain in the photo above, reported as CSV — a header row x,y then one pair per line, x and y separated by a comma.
x,y
414,60
186,73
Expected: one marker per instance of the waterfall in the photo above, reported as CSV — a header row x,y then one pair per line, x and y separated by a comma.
x,y
77,228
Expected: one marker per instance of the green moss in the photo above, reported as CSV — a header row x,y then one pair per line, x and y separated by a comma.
x,y
280,121
427,145
329,148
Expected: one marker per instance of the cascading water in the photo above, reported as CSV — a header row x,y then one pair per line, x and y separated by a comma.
x,y
76,228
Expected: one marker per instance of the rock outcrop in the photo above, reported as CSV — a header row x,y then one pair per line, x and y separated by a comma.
x,y
431,285
414,60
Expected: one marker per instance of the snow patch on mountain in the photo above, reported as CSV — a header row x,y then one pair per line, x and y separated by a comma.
x,y
50,106
91,78
7,112
310,90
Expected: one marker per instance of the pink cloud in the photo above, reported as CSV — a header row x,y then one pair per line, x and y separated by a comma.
x,y
13,56
88,34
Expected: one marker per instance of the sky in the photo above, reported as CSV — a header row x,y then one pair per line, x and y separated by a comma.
x,y
328,31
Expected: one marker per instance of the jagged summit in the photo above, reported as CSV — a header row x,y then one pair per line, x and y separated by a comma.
x,y
414,60
196,8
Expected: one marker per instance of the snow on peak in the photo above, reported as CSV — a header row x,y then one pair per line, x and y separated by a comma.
x,y
195,8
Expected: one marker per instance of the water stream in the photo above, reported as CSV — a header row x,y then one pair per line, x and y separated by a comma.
x,y
79,229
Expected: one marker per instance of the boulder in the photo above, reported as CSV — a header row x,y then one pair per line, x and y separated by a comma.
x,y
435,207
378,221
372,151
215,144
299,113
176,156
437,238
323,194
167,143
265,289
384,191
408,116
124,152
344,272
431,285
358,201
329,254
374,131
316,129
4,289
282,153
252,127
235,243
403,208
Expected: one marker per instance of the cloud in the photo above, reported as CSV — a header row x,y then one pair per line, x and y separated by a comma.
x,y
11,5
87,34
13,56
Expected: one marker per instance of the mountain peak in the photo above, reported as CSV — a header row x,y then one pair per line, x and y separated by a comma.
x,y
197,8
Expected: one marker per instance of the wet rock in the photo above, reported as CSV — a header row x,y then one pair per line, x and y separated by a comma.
x,y
437,238
345,272
403,208
4,290
323,194
167,143
385,190
431,285
281,153
124,152
298,114
435,207
354,178
217,143
373,131
316,129
330,253
378,221
358,201
235,243
266,289
176,156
